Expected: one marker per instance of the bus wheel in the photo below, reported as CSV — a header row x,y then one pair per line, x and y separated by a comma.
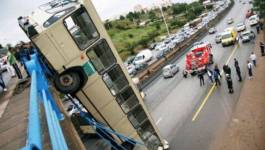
x,y
68,82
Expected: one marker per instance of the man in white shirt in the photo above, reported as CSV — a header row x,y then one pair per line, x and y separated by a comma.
x,y
250,66
253,58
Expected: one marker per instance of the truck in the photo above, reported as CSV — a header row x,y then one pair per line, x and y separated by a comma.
x,y
199,58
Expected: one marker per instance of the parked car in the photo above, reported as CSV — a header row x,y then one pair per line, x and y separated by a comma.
x,y
247,36
152,46
139,67
240,27
253,20
143,57
230,20
163,48
218,38
170,70
212,30
129,60
131,70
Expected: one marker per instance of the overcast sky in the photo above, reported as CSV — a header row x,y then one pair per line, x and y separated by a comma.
x,y
11,9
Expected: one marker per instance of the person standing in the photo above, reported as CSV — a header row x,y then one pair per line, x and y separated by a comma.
x,y
258,29
210,75
227,69
262,48
253,58
250,68
2,83
12,61
229,83
238,71
200,76
217,75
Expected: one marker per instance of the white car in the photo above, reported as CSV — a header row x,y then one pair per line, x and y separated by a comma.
x,y
253,20
170,70
143,57
131,70
230,20
240,27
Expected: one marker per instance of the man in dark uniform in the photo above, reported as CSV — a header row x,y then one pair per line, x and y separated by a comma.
x,y
238,72
229,83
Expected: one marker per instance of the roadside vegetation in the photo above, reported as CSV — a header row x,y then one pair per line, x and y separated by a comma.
x,y
259,5
137,30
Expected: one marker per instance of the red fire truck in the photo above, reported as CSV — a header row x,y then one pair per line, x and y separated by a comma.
x,y
198,58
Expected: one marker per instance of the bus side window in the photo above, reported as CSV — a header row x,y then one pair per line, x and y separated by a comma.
x,y
81,28
101,56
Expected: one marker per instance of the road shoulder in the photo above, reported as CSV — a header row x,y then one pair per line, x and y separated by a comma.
x,y
246,129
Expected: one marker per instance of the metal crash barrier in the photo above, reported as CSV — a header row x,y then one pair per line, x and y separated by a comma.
x,y
40,95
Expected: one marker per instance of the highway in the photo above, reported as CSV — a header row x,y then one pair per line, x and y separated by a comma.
x,y
190,116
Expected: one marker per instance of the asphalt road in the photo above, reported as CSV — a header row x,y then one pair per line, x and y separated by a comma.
x,y
176,103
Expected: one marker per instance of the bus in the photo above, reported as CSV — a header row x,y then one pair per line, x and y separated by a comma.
x,y
72,39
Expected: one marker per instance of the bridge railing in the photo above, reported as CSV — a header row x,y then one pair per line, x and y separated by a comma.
x,y
40,95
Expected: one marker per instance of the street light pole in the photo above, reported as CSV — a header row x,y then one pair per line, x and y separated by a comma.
x,y
162,13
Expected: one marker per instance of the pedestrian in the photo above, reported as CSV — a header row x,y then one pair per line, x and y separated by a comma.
x,y
200,76
262,48
238,71
253,58
2,83
217,75
261,25
185,73
227,69
12,61
250,68
229,83
258,29
210,75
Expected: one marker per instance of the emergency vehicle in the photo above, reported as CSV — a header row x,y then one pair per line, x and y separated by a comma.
x,y
198,58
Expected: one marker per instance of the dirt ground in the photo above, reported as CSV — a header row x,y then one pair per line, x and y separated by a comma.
x,y
246,130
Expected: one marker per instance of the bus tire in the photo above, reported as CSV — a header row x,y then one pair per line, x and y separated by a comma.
x,y
68,82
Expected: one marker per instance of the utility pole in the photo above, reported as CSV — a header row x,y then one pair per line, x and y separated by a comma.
x,y
162,13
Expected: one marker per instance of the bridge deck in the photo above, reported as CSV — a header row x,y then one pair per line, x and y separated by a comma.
x,y
14,122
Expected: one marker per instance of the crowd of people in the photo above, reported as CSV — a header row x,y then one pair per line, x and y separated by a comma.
x,y
15,59
215,75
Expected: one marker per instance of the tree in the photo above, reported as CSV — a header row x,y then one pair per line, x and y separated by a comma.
x,y
122,17
259,5
108,24
179,8
152,15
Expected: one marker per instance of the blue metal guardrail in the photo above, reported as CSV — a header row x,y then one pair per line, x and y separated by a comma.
x,y
39,94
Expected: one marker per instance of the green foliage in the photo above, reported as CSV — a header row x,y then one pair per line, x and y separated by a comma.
x,y
108,25
152,15
129,37
133,15
259,5
179,8
177,23
122,17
